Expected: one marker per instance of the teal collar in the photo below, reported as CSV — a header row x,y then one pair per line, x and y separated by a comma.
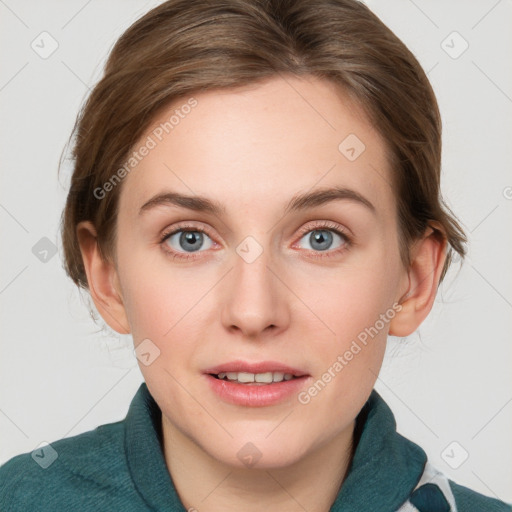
x,y
385,468
144,454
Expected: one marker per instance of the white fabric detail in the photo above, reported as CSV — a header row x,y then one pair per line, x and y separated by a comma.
x,y
431,475
407,507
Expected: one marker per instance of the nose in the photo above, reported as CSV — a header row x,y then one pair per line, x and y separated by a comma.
x,y
255,299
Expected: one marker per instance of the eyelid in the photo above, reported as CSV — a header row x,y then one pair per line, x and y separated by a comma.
x,y
328,226
325,225
183,256
184,227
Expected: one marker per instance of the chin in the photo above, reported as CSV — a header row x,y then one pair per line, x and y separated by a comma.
x,y
260,453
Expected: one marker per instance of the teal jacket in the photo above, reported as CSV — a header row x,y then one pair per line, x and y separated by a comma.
x,y
120,467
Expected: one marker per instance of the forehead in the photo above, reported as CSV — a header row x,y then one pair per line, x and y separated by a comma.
x,y
260,145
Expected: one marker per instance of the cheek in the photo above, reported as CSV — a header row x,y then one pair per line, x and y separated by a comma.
x,y
353,309
155,295
358,308
348,300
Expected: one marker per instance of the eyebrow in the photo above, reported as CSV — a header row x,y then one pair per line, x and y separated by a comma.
x,y
297,203
326,195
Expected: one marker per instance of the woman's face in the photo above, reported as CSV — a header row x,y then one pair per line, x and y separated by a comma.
x,y
268,278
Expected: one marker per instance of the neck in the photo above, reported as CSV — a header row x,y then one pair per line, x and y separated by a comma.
x,y
206,484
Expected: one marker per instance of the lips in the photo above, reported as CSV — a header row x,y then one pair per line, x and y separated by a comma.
x,y
258,384
262,367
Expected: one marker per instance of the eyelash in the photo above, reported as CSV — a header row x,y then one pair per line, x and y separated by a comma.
x,y
327,226
320,226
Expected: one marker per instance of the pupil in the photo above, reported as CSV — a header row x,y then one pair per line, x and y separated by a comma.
x,y
322,238
194,239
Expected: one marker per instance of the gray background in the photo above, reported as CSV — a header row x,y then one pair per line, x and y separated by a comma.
x,y
61,375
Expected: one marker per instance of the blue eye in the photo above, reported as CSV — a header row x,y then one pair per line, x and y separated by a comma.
x,y
322,239
188,241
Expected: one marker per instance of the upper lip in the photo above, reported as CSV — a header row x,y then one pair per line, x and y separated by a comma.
x,y
256,367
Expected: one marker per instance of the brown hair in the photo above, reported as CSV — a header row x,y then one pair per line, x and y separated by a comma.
x,y
188,46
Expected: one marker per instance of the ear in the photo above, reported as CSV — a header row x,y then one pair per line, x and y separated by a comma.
x,y
102,280
427,260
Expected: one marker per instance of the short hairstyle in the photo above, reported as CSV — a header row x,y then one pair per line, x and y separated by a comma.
x,y
184,47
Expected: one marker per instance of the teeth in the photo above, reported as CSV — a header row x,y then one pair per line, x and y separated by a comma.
x,y
261,378
245,377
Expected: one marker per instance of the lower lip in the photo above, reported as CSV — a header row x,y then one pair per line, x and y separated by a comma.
x,y
256,395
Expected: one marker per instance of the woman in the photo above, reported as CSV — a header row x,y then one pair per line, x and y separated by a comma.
x,y
256,200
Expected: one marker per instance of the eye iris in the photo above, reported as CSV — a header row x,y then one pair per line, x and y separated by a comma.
x,y
321,237
193,238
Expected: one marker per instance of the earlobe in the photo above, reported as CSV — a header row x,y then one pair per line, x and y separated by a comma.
x,y
102,279
427,260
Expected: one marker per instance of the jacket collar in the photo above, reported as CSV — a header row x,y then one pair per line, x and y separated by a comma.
x,y
385,468
144,453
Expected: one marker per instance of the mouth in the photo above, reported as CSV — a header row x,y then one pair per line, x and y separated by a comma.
x,y
254,378
264,372
255,384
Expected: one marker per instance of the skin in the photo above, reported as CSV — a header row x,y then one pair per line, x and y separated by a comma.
x,y
252,149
